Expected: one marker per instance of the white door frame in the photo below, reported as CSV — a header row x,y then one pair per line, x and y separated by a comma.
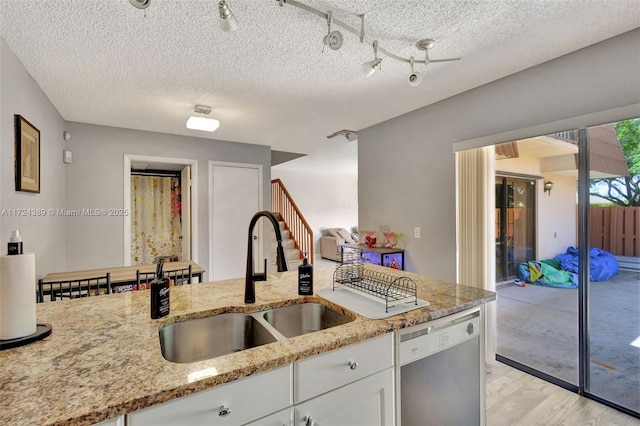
x,y
212,164
128,158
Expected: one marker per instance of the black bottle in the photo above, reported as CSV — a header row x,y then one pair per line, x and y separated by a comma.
x,y
305,278
159,294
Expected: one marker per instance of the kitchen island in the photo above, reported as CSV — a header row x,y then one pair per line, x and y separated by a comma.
x,y
103,358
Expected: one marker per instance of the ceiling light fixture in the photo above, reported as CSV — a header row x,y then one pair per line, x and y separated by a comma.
x,y
415,78
140,4
202,123
345,135
333,39
228,22
368,68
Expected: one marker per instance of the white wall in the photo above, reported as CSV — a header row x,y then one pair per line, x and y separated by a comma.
x,y
45,236
96,179
417,186
557,216
327,200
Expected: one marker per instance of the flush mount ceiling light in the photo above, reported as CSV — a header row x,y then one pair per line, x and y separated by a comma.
x,y
333,39
140,4
228,21
368,68
202,123
345,135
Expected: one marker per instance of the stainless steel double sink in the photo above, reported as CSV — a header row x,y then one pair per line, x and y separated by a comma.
x,y
204,338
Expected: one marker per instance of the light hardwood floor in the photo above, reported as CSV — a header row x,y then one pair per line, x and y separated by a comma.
x,y
516,398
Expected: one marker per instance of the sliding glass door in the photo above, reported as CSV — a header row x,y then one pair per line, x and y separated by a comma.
x,y
612,297
515,224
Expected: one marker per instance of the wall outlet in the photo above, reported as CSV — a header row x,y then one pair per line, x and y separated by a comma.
x,y
416,232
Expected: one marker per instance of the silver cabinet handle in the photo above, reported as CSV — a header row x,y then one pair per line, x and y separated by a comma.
x,y
308,421
224,411
353,365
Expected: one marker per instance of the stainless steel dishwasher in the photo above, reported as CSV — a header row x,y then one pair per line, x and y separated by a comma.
x,y
438,373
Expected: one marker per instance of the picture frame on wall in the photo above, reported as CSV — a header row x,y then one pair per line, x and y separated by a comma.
x,y
27,156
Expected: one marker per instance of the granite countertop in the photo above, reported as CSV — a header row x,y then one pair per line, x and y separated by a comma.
x,y
103,357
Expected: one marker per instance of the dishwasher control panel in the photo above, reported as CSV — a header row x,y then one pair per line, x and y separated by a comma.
x,y
435,336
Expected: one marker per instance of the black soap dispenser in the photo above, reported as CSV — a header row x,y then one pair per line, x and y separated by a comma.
x,y
305,278
159,293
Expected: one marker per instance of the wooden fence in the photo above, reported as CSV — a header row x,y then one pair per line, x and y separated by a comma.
x,y
616,230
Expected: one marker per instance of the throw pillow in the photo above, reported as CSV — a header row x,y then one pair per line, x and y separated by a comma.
x,y
345,235
333,232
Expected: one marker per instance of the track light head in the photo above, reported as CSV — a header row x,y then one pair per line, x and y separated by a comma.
x,y
334,40
368,68
140,4
415,78
228,21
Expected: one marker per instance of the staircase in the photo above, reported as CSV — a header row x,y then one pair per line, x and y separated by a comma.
x,y
291,253
297,236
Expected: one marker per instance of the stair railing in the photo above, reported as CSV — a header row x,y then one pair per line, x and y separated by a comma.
x,y
295,223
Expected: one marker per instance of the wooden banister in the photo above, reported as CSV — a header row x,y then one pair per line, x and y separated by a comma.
x,y
295,223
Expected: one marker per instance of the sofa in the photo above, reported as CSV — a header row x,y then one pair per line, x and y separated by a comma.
x,y
332,240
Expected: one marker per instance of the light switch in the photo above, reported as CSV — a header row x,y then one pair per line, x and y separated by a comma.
x,y
67,156
416,232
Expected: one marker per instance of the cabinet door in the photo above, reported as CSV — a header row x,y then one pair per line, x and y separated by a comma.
x,y
281,418
234,403
327,371
113,422
367,402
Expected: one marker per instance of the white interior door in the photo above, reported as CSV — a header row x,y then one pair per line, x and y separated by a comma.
x,y
185,192
237,196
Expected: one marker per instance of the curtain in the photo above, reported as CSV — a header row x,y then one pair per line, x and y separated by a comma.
x,y
475,175
156,229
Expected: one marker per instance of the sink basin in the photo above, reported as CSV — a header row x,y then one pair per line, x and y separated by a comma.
x,y
204,338
295,320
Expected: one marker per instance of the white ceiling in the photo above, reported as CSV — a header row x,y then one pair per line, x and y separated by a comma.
x,y
269,83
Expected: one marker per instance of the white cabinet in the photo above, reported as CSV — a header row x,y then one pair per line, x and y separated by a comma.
x,y
331,370
347,386
234,403
113,422
366,402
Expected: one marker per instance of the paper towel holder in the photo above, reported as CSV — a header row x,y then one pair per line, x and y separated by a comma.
x,y
42,331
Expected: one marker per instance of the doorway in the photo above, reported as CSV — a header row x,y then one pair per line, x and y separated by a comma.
x,y
188,171
515,224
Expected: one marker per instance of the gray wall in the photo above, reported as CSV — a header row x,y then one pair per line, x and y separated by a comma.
x,y
417,186
43,235
95,179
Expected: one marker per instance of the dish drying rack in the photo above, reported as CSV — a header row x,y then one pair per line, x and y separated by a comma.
x,y
391,289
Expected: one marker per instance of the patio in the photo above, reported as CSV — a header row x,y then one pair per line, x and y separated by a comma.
x,y
538,327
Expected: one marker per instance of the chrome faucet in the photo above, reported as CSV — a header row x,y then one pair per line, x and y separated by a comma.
x,y
251,277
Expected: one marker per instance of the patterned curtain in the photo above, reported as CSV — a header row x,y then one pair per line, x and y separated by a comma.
x,y
155,224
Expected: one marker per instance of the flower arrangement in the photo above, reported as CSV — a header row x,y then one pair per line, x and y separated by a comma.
x,y
383,237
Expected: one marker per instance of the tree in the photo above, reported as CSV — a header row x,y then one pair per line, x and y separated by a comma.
x,y
623,191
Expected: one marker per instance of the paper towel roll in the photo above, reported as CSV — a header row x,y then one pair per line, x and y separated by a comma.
x,y
17,296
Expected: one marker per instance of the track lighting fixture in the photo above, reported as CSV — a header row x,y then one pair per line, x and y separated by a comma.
x,y
140,4
415,78
228,21
333,39
368,68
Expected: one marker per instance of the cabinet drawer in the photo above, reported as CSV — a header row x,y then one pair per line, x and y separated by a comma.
x,y
322,373
247,399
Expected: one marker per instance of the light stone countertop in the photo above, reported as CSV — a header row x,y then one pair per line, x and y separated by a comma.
x,y
103,357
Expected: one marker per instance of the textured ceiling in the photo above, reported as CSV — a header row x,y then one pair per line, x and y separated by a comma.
x,y
269,83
